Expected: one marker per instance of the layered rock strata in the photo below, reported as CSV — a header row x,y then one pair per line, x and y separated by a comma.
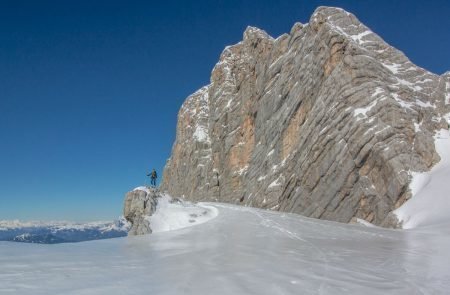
x,y
327,121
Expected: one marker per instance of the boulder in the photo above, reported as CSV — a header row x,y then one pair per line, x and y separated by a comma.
x,y
140,204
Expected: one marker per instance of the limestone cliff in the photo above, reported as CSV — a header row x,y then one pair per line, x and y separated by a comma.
x,y
327,121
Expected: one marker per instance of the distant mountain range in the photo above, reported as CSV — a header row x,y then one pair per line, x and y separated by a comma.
x,y
61,232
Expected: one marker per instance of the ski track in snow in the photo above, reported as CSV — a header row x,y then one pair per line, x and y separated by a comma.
x,y
240,251
273,224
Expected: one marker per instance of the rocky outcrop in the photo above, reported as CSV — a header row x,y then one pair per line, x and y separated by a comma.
x,y
139,205
327,121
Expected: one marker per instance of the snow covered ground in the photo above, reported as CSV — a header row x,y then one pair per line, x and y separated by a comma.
x,y
171,216
241,251
430,203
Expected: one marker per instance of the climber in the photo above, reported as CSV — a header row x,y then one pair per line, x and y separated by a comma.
x,y
153,177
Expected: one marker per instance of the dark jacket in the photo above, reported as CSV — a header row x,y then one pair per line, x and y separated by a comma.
x,y
153,174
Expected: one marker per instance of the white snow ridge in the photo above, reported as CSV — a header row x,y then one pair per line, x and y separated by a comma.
x,y
176,215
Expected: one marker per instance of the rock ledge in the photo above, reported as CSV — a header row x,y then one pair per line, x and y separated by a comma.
x,y
140,203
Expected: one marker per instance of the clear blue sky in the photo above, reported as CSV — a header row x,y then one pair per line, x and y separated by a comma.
x,y
90,90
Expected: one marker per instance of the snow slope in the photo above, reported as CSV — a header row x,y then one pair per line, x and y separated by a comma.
x,y
430,203
175,215
241,251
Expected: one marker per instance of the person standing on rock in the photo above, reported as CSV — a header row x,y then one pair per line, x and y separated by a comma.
x,y
153,177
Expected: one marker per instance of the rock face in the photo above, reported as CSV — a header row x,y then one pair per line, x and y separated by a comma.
x,y
140,204
327,121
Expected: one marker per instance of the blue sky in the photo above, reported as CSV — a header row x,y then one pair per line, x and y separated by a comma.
x,y
90,90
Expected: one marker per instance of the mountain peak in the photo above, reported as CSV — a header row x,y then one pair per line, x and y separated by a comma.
x,y
252,33
327,121
296,27
328,11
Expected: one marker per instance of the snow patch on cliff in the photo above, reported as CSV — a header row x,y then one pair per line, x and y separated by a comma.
x,y
142,188
447,94
201,134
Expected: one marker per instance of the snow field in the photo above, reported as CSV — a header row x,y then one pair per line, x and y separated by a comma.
x,y
240,251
